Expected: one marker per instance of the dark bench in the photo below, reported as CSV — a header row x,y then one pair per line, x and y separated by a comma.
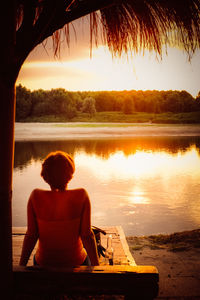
x,y
134,282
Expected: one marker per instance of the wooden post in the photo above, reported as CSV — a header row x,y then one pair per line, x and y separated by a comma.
x,y
6,165
7,119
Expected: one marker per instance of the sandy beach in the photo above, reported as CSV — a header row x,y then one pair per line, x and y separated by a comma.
x,y
60,131
177,258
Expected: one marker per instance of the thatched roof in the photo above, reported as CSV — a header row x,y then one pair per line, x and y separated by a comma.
x,y
150,24
125,24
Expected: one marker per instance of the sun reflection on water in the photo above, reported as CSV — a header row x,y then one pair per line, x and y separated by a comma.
x,y
145,189
137,196
141,164
147,178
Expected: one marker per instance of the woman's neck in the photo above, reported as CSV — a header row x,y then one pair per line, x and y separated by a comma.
x,y
57,190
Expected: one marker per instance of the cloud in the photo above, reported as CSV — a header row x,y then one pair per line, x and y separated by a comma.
x,y
40,70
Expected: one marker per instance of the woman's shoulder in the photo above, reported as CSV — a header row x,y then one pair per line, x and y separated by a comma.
x,y
36,193
80,191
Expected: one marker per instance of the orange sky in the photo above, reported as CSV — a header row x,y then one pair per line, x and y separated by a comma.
x,y
76,71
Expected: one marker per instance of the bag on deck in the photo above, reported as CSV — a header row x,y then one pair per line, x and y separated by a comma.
x,y
97,231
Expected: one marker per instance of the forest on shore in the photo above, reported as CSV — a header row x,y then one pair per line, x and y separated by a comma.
x,y
60,105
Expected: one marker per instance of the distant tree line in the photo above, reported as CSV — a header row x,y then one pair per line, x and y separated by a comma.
x,y
68,104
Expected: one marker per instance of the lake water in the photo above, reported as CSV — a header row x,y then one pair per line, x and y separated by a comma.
x,y
148,185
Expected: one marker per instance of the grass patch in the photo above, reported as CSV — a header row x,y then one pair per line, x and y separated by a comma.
x,y
179,241
154,247
190,237
113,117
98,125
177,118
137,247
47,119
179,248
120,117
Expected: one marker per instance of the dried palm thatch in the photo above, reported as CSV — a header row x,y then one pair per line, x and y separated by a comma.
x,y
150,24
124,24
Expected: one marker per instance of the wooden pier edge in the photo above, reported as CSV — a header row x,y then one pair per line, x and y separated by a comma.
x,y
130,259
128,279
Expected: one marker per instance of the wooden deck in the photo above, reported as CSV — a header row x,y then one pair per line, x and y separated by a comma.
x,y
98,280
122,255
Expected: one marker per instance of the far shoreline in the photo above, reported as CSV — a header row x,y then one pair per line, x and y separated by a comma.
x,y
71,130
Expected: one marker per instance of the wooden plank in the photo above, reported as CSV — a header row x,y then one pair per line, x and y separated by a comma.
x,y
18,237
125,246
18,230
122,255
115,280
121,269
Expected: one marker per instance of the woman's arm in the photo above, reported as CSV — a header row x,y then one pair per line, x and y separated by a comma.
x,y
31,235
87,235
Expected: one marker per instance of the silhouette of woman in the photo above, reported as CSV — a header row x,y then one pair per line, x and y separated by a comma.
x,y
59,219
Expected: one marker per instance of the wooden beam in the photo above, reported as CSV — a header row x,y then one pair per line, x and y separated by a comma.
x,y
7,117
136,281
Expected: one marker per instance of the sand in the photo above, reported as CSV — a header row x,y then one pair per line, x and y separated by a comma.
x,y
60,131
177,260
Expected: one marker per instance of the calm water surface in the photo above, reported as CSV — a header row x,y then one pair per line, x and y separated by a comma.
x,y
146,185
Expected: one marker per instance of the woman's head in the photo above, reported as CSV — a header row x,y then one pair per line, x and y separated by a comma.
x,y
57,169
